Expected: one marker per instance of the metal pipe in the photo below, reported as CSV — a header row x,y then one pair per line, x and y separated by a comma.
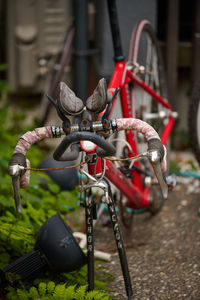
x,y
81,49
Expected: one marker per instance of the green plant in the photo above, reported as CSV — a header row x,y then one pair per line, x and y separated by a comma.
x,y
52,291
40,200
4,86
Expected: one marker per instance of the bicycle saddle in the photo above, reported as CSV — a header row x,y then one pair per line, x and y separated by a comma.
x,y
67,101
98,100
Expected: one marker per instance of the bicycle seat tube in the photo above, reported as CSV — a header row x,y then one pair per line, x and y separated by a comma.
x,y
112,10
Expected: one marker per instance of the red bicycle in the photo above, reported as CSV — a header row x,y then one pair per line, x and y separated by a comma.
x,y
143,95
141,87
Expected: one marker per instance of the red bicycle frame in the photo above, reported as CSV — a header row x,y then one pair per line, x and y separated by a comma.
x,y
134,189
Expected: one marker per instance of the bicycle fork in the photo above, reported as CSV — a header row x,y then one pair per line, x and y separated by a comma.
x,y
108,199
90,240
119,244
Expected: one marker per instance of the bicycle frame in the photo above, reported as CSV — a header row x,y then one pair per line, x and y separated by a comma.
x,y
134,190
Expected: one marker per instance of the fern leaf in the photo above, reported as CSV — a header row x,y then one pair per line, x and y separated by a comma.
x,y
101,296
50,287
42,288
33,293
100,285
70,293
59,292
22,294
12,295
91,295
44,298
80,292
96,295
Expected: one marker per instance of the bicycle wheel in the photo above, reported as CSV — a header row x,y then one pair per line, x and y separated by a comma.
x,y
146,58
194,120
58,67
118,139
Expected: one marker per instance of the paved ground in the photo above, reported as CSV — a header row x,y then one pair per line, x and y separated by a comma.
x,y
163,251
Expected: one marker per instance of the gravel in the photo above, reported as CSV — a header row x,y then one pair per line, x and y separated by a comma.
x,y
163,251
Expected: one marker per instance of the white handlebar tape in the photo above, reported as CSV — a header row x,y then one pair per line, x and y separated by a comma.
x,y
25,142
138,125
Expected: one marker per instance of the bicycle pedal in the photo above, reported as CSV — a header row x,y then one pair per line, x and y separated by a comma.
x,y
171,182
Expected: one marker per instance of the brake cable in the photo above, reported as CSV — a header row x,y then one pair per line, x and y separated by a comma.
x,y
123,159
83,163
63,168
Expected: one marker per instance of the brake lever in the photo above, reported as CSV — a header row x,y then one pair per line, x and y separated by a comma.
x,y
154,159
16,188
15,172
59,112
109,107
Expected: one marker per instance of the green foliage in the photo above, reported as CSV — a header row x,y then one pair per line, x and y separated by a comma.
x,y
33,292
4,86
56,292
174,167
41,200
50,287
42,288
179,138
192,165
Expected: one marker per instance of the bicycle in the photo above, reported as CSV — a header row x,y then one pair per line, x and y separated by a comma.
x,y
91,128
18,168
57,67
144,96
143,78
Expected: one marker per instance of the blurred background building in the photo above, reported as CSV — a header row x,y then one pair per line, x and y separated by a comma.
x,y
32,35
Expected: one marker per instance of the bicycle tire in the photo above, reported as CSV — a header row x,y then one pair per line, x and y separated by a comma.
x,y
145,51
194,120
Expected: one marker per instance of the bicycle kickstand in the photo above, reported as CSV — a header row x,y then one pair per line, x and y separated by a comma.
x,y
119,243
